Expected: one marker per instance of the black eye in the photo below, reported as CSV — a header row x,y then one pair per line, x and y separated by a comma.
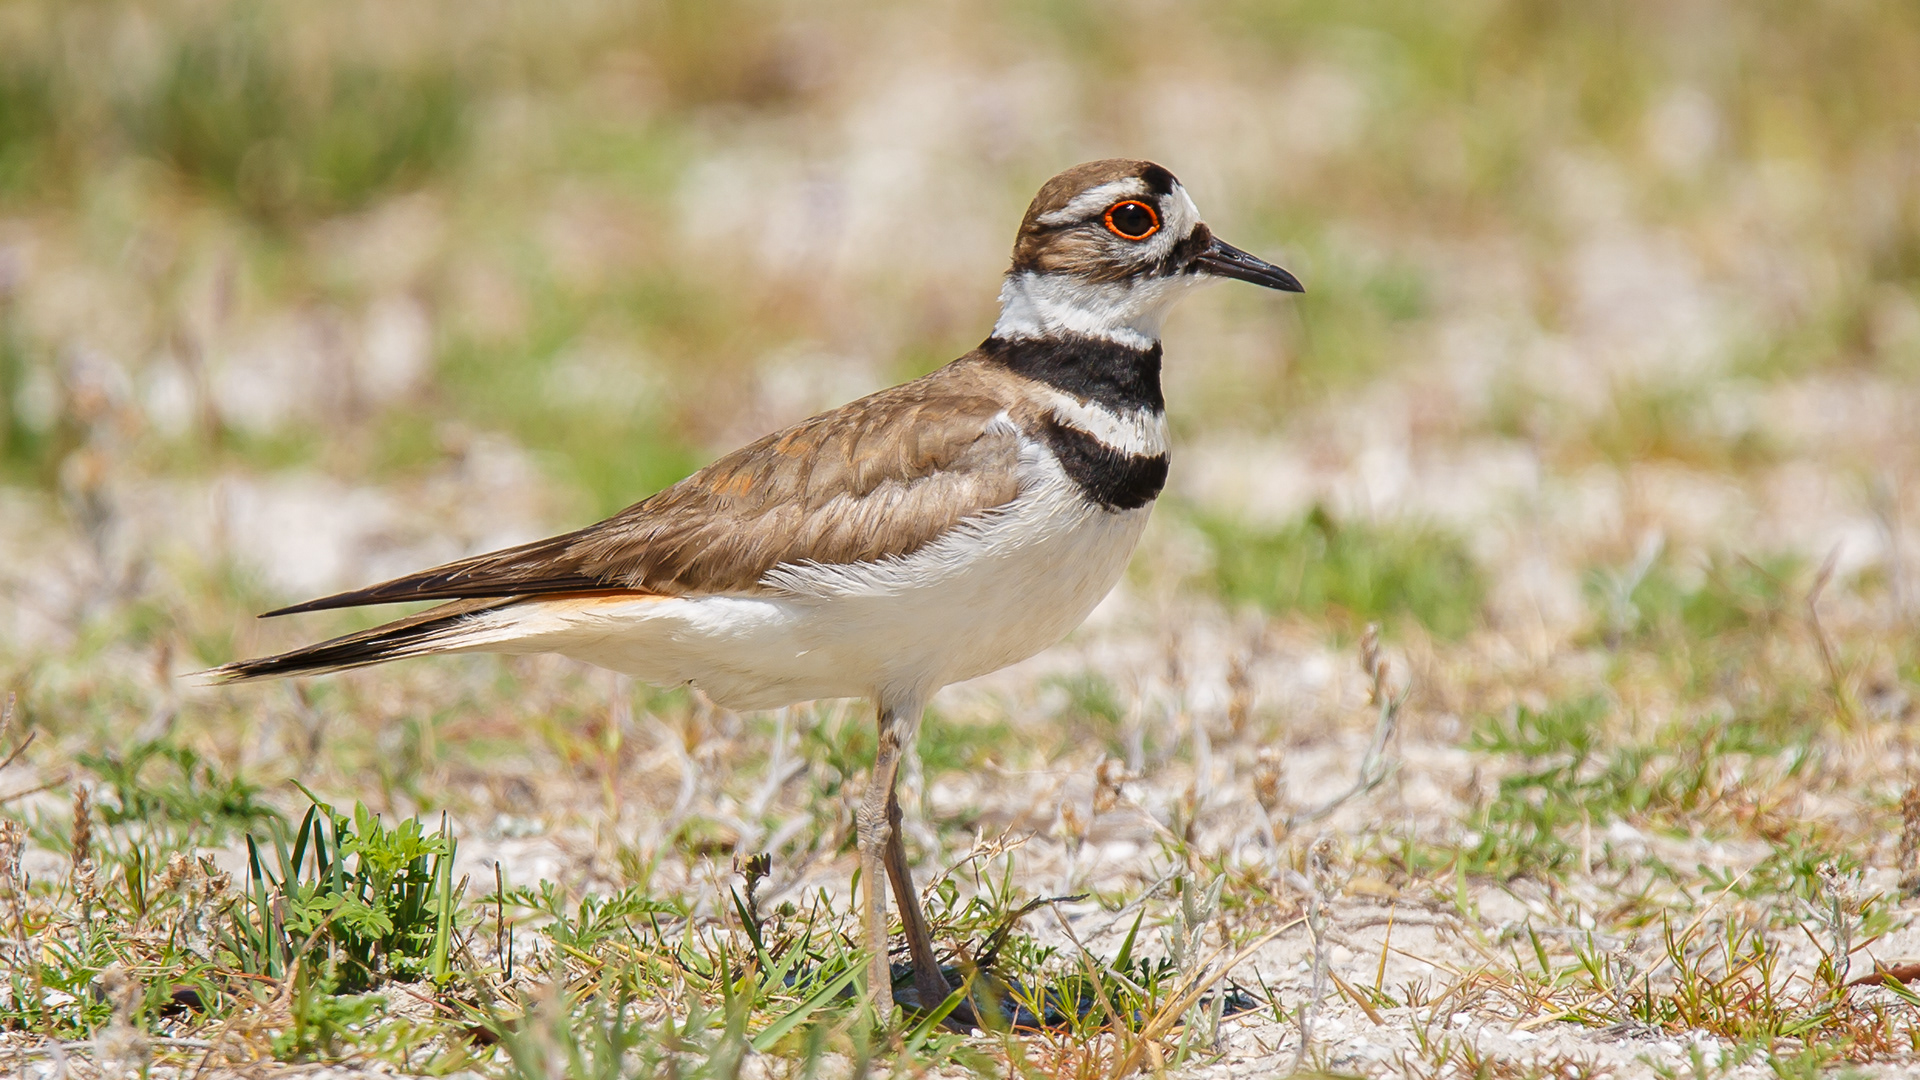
x,y
1132,220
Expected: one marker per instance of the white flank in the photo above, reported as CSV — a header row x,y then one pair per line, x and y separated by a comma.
x,y
997,589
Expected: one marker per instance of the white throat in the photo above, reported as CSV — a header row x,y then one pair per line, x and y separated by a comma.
x,y
1128,312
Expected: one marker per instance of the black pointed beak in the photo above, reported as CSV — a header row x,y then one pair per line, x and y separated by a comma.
x,y
1222,259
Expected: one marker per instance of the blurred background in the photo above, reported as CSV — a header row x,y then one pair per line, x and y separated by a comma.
x,y
1602,402
295,296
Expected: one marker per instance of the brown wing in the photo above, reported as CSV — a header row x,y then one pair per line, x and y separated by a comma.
x,y
878,477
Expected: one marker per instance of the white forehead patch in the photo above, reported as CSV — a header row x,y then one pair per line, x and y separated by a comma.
x,y
1182,215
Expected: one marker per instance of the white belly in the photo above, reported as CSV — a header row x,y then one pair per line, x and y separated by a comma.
x,y
996,591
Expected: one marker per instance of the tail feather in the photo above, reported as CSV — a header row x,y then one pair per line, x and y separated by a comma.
x,y
439,629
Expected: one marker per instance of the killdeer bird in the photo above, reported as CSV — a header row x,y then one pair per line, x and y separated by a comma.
x,y
923,535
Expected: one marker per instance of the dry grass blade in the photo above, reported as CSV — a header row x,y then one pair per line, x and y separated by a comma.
x,y
6,732
1357,998
1838,684
1184,998
1373,768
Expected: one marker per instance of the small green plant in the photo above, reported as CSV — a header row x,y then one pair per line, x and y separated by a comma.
x,y
841,744
588,1040
613,1037
30,121
324,1025
547,386
351,899
1672,422
947,746
1350,572
1738,982
31,446
592,920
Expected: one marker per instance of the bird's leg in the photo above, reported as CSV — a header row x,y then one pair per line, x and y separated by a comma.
x,y
929,982
874,826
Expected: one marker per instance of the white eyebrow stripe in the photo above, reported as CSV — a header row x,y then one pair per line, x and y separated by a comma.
x,y
1087,202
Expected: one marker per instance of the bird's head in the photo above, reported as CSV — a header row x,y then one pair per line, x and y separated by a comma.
x,y
1105,249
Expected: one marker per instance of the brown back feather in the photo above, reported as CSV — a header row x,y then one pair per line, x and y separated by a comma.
x,y
876,478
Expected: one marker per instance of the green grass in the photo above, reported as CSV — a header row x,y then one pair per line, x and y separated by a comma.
x,y
233,109
339,917
1092,711
1349,573
842,743
164,786
234,98
36,128
1674,604
1576,775
615,455
1722,628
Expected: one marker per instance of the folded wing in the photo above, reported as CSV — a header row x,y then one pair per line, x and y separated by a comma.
x,y
879,477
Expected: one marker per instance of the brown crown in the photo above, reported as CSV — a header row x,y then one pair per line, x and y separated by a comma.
x,y
1042,248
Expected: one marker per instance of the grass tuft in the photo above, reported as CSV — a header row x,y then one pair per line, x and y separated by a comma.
x,y
347,902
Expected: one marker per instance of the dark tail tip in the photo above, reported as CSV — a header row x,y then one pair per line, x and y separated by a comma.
x,y
429,631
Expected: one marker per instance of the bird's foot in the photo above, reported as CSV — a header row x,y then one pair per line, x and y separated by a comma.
x,y
923,995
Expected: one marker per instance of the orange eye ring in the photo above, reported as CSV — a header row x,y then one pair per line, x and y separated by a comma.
x,y
1130,210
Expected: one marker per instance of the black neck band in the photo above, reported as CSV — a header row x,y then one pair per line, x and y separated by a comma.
x,y
1095,370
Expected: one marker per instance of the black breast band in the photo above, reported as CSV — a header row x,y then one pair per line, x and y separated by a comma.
x,y
1110,478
